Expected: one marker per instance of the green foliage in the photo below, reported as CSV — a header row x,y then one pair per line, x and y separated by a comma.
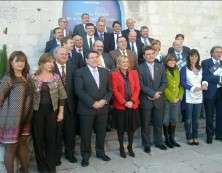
x,y
3,61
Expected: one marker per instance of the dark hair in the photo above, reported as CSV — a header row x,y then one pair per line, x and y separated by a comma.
x,y
89,24
20,56
61,19
44,58
213,49
191,53
55,29
65,39
169,57
84,14
119,38
116,22
91,51
179,35
145,48
143,27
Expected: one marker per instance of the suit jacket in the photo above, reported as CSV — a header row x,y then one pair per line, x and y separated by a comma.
x,y
72,98
50,45
79,30
210,78
130,54
149,38
149,86
77,59
186,50
108,61
184,58
112,41
174,89
106,41
68,34
126,33
139,46
88,92
84,54
118,86
85,42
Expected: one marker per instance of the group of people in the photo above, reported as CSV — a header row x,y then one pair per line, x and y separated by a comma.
x,y
81,79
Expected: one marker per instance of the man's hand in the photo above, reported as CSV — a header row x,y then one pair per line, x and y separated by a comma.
x,y
157,95
97,105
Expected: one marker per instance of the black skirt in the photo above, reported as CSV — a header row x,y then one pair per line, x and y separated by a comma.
x,y
125,120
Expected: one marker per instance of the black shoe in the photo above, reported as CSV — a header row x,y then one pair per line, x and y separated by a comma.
x,y
122,152
130,150
209,140
71,158
147,150
84,162
108,129
168,143
104,157
173,142
161,146
58,163
220,139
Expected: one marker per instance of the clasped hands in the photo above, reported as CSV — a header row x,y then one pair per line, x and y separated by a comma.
x,y
155,97
129,104
99,104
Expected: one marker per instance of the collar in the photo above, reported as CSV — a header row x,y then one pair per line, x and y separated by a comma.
x,y
92,69
59,65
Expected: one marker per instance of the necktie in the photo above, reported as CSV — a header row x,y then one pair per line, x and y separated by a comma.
x,y
69,56
80,53
124,53
217,63
96,76
63,75
101,36
179,57
99,60
151,71
145,42
117,37
133,47
90,43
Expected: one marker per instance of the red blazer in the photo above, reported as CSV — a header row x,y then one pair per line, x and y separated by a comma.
x,y
118,86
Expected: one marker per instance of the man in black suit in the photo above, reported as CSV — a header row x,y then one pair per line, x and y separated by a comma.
x,y
107,28
52,44
66,128
105,37
130,27
93,88
213,96
180,38
117,27
80,28
89,38
145,39
134,44
73,56
63,23
78,46
153,81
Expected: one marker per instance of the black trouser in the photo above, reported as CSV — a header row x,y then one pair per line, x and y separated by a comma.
x,y
44,137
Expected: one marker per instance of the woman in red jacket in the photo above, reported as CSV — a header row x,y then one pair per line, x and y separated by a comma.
x,y
126,89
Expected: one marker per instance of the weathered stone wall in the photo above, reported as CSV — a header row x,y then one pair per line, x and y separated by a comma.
x,y
28,23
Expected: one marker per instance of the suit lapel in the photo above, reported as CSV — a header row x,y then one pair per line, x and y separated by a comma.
x,y
146,68
90,75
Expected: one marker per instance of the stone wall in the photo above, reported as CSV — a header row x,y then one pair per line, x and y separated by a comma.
x,y
29,23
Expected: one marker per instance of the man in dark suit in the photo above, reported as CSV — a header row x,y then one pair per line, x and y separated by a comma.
x,y
52,44
78,46
180,55
73,56
66,128
145,39
63,23
130,27
180,38
93,88
153,81
121,50
105,37
80,28
117,27
89,38
213,96
135,45
107,28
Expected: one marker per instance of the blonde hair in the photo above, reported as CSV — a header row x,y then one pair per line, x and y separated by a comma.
x,y
44,58
120,60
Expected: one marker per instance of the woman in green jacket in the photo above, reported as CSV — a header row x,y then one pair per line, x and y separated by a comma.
x,y
173,95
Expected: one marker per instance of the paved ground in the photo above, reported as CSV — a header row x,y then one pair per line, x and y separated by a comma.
x,y
204,158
